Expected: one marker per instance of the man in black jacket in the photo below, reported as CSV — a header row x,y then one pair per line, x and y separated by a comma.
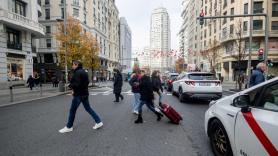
x,y
79,84
134,83
118,83
147,96
157,85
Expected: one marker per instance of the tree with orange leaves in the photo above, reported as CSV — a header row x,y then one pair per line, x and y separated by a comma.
x,y
180,65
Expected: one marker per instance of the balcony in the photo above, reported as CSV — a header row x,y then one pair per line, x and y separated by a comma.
x,y
20,22
16,46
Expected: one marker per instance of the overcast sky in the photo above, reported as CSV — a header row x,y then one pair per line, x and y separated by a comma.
x,y
138,15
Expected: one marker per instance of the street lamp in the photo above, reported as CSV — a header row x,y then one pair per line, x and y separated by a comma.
x,y
65,33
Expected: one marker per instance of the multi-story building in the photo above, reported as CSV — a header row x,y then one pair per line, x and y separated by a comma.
x,y
160,39
19,29
192,32
100,17
226,33
125,45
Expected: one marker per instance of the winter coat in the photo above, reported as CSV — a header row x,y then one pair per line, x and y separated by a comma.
x,y
146,89
118,83
156,83
257,77
37,80
134,83
30,82
79,82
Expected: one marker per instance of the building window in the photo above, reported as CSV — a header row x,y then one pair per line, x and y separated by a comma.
x,y
232,1
232,13
46,2
225,19
274,25
48,43
48,58
246,8
48,29
245,25
258,25
75,2
255,45
47,14
85,16
13,39
225,3
231,29
205,34
18,7
258,7
274,9
62,13
75,12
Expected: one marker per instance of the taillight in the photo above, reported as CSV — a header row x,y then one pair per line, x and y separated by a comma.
x,y
190,83
217,83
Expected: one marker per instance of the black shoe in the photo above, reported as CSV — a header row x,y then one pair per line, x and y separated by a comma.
x,y
122,98
139,120
159,116
116,101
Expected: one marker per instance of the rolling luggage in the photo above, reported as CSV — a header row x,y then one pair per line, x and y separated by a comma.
x,y
171,113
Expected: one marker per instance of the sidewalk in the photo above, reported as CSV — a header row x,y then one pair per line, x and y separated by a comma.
x,y
230,87
24,94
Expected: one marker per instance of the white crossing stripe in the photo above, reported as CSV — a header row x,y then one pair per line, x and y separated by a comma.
x,y
169,94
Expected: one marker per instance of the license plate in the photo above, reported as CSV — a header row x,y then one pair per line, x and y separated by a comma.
x,y
204,84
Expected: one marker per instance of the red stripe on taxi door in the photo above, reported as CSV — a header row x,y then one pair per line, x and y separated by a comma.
x,y
270,148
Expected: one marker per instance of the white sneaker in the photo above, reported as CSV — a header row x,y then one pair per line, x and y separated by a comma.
x,y
136,112
66,130
98,125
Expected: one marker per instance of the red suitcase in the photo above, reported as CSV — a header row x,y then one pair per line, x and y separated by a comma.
x,y
171,113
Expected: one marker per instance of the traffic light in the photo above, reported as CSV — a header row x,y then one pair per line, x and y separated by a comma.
x,y
201,18
269,63
261,54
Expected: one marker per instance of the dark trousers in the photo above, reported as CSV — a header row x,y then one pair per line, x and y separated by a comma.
x,y
74,106
149,104
118,95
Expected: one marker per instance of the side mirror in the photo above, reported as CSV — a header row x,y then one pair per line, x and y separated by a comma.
x,y
243,102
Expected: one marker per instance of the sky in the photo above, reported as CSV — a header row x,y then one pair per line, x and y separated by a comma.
x,y
138,16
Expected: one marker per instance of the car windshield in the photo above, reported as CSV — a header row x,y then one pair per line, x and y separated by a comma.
x,y
173,77
202,76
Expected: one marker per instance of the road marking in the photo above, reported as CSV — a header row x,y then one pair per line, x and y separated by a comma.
x,y
130,94
94,94
168,94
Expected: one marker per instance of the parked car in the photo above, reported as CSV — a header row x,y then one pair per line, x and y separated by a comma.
x,y
200,85
245,123
169,81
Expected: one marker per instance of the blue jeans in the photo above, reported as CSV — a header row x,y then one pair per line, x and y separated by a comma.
x,y
74,106
149,104
136,102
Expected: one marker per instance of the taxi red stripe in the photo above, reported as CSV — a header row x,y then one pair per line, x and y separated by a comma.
x,y
270,148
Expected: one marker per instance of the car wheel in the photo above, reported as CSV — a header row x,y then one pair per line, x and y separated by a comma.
x,y
181,97
219,139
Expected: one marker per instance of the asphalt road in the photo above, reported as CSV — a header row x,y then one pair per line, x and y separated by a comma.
x,y
31,129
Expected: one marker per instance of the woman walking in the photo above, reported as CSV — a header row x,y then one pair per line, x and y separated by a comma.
x,y
118,83
30,82
134,83
157,85
147,96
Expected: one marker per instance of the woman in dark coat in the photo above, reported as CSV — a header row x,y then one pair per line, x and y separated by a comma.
x,y
118,83
157,85
30,82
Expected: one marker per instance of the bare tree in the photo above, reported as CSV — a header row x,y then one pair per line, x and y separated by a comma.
x,y
240,52
212,53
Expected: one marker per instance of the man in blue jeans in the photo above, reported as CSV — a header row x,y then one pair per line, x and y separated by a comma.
x,y
79,84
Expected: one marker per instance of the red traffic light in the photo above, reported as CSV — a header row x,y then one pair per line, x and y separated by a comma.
x,y
261,51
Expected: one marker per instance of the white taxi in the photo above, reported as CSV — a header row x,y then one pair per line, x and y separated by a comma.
x,y
246,123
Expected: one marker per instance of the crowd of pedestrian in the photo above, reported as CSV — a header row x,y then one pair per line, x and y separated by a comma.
x,y
33,82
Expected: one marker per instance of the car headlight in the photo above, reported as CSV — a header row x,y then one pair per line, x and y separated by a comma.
x,y
212,103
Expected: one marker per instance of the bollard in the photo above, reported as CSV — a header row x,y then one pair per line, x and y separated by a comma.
x,y
41,90
11,94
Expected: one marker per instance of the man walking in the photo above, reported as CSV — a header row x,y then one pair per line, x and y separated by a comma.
x,y
79,84
118,83
134,83
257,76
147,96
157,85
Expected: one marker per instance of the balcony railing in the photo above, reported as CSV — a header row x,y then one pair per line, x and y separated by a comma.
x,y
12,45
14,18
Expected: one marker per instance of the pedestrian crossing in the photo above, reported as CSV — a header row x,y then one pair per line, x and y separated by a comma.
x,y
110,92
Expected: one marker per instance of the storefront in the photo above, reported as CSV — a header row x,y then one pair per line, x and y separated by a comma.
x,y
15,69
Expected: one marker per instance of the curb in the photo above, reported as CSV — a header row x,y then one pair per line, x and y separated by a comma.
x,y
229,91
25,101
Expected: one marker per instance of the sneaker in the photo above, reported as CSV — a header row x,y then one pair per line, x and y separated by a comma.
x,y
66,130
135,112
98,125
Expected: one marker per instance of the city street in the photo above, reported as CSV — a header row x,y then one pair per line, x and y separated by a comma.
x,y
32,129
